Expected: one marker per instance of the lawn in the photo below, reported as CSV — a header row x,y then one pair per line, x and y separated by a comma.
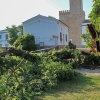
x,y
81,88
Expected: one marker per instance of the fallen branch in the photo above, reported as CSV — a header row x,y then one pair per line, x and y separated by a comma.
x,y
13,71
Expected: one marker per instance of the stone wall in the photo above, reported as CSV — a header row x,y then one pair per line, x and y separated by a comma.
x,y
74,19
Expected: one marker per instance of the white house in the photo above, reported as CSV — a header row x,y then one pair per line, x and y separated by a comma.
x,y
85,22
3,38
48,31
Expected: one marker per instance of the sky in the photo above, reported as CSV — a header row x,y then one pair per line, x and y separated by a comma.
x,y
14,12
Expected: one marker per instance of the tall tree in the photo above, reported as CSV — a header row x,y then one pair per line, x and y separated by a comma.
x,y
95,15
13,33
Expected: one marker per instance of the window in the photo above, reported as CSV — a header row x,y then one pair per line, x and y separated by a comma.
x,y
0,36
60,36
6,36
66,37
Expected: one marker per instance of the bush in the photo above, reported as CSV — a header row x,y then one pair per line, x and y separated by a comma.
x,y
65,56
91,59
71,45
32,78
25,42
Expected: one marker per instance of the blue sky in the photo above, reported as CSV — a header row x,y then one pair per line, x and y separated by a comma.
x,y
14,12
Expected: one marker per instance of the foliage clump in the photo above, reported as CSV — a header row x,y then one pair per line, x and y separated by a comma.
x,y
13,33
71,45
32,78
95,15
25,42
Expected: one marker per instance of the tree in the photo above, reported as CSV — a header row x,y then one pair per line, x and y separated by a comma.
x,y
25,42
95,21
95,15
87,39
20,29
13,33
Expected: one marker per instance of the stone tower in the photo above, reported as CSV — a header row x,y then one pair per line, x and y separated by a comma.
x,y
74,18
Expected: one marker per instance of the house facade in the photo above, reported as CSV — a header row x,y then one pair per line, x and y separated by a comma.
x,y
3,38
48,31
51,32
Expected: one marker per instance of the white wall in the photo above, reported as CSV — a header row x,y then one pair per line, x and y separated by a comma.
x,y
3,40
43,29
64,30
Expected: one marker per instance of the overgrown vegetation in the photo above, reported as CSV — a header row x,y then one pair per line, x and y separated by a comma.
x,y
95,15
33,78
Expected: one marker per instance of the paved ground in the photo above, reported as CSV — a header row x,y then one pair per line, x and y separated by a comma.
x,y
89,71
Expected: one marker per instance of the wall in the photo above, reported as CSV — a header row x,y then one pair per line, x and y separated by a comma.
x,y
64,30
74,18
45,30
3,41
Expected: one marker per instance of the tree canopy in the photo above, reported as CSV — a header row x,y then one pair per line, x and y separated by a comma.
x,y
13,33
25,42
95,15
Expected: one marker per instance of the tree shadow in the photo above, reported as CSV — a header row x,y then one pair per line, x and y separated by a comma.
x,y
77,85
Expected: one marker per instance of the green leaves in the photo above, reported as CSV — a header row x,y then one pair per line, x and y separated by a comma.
x,y
25,42
95,15
12,34
87,39
32,78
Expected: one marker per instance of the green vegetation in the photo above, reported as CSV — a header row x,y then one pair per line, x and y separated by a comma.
x,y
95,15
87,39
95,21
13,33
71,45
46,72
48,75
25,42
1,49
31,78
80,88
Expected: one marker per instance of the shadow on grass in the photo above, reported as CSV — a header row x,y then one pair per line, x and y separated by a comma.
x,y
77,85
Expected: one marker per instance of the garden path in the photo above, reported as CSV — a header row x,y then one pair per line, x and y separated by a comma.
x,y
88,71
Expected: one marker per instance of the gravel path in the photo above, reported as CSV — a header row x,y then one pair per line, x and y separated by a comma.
x,y
88,71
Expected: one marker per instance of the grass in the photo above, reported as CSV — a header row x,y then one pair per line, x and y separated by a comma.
x,y
81,88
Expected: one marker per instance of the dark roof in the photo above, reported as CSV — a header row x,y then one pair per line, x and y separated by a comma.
x,y
86,21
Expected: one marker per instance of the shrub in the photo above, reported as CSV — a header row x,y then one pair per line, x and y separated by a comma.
x,y
32,78
25,42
